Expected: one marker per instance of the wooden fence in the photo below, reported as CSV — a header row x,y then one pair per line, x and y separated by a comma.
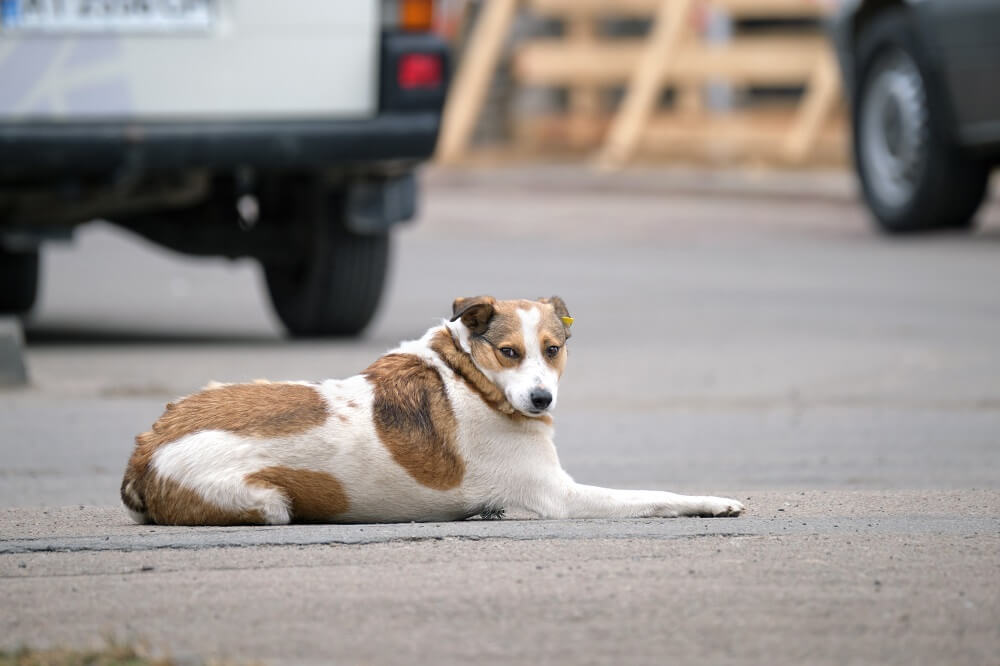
x,y
677,54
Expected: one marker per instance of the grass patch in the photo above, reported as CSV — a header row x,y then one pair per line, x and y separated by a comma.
x,y
112,655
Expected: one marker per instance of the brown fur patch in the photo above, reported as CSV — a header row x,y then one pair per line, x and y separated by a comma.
x,y
252,410
414,420
474,312
448,350
315,497
170,503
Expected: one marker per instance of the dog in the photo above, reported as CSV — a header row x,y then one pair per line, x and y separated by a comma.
x,y
450,426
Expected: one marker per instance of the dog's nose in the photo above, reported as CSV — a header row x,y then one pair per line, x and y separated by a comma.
x,y
541,398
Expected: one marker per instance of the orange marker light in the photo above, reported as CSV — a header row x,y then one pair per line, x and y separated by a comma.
x,y
416,15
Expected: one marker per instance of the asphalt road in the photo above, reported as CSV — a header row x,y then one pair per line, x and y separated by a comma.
x,y
749,337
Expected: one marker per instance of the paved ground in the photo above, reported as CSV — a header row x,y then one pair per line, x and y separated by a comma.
x,y
741,335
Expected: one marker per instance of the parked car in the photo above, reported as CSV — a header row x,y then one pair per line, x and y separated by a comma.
x,y
923,77
283,131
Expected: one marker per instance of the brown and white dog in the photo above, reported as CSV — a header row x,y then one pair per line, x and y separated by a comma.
x,y
452,425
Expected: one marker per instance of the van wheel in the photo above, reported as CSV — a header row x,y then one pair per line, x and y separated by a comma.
x,y
913,176
19,277
334,289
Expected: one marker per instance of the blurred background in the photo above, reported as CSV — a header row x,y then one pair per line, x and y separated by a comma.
x,y
722,83
764,215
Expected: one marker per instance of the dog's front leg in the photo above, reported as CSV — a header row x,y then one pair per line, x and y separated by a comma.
x,y
564,498
584,501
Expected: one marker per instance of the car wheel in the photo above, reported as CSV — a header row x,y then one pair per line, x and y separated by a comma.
x,y
913,176
335,286
19,277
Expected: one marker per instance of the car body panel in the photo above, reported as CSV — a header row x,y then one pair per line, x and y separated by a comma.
x,y
960,42
966,33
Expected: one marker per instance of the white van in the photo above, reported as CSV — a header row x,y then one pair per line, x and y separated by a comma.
x,y
283,131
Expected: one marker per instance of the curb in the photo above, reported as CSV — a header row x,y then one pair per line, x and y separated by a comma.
x,y
12,368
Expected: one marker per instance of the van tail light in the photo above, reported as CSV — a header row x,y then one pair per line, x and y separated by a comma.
x,y
419,71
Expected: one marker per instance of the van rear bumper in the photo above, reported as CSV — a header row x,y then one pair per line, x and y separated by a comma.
x,y
99,146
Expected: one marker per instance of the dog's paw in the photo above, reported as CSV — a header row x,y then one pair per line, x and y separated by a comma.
x,y
719,507
492,513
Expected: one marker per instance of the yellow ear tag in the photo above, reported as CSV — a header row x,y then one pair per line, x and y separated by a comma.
x,y
568,321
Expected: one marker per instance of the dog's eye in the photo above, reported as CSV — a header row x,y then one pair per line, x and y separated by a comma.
x,y
509,352
552,351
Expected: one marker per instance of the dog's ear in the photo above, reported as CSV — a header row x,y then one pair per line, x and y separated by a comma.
x,y
559,305
474,312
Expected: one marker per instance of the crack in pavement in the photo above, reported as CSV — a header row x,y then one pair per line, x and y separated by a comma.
x,y
518,530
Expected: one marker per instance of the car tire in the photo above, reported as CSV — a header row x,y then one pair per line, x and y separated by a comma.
x,y
913,175
19,280
335,286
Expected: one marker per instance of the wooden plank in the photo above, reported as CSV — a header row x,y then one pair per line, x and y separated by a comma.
x,y
690,99
475,72
555,63
584,99
820,99
594,7
775,60
551,131
745,9
757,133
669,27
640,8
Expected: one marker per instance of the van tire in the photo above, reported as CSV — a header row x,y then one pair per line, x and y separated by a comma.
x,y
335,289
914,176
18,281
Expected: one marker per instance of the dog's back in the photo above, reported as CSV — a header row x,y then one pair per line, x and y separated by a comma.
x,y
381,446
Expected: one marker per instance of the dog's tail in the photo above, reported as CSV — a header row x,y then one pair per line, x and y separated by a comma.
x,y
134,482
133,501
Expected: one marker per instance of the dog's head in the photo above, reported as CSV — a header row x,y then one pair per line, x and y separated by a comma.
x,y
520,346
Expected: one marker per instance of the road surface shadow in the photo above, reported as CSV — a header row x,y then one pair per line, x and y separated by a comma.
x,y
40,336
